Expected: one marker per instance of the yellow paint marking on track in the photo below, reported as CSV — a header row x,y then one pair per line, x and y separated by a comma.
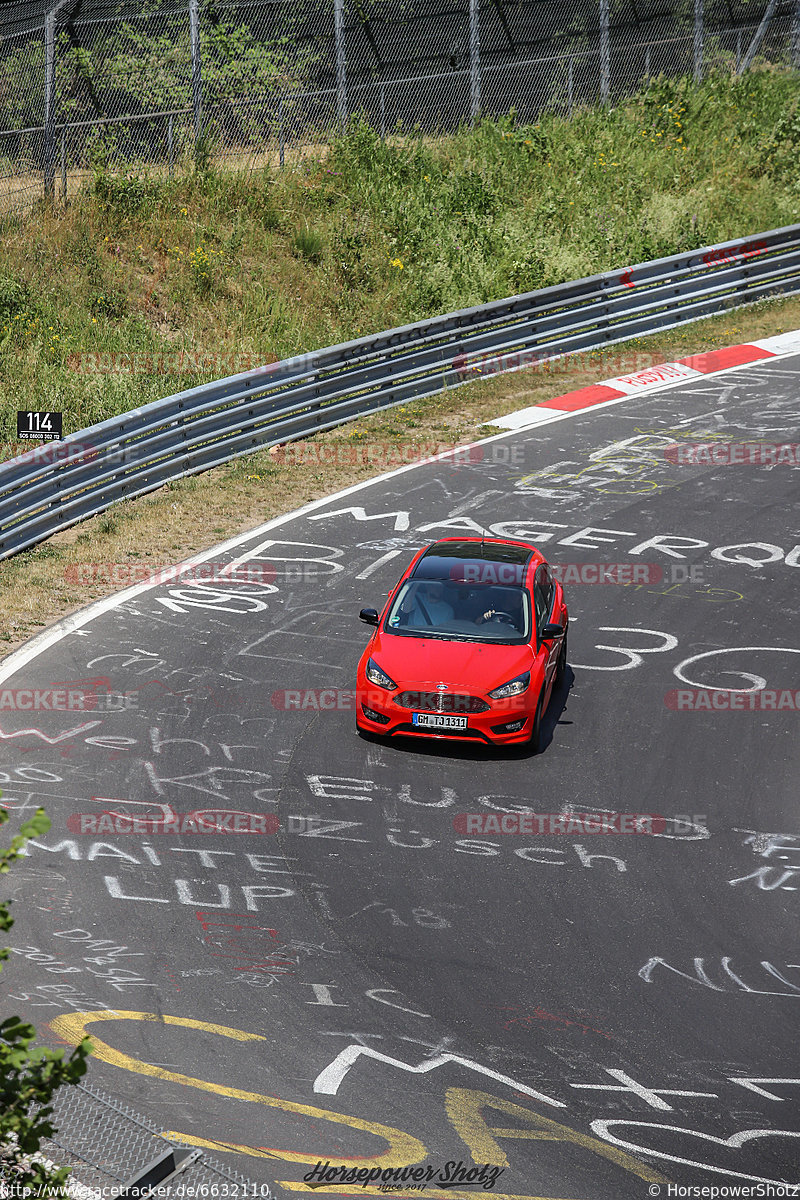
x,y
403,1149
464,1108
234,1147
69,1024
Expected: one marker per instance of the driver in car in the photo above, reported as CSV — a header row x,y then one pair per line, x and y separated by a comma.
x,y
496,608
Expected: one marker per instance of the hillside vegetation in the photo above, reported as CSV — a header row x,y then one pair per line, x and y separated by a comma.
x,y
145,286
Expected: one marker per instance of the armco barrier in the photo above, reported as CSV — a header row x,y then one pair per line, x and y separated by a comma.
x,y
205,426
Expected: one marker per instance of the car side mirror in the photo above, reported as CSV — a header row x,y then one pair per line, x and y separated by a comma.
x,y
552,631
369,616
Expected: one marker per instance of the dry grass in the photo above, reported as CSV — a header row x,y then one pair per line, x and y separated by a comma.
x,y
193,515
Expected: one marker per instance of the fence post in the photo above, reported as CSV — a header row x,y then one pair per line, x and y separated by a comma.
x,y
64,165
571,84
341,65
758,37
49,147
170,142
383,110
281,135
474,60
605,52
197,73
794,52
647,63
698,41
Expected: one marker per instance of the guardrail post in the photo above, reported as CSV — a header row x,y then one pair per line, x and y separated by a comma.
x,y
383,111
474,60
605,51
570,83
341,65
647,63
698,41
281,138
197,72
158,1172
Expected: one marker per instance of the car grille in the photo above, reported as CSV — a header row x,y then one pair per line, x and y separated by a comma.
x,y
441,702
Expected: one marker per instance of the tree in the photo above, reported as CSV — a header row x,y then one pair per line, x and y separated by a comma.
x,y
29,1076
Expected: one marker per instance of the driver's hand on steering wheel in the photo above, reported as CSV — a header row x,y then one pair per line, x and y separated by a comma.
x,y
487,616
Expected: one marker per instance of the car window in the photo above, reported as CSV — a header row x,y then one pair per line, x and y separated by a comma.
x,y
549,585
542,596
460,611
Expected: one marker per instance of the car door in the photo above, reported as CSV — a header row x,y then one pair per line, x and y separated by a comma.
x,y
543,595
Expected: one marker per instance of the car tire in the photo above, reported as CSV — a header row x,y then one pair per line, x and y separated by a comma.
x,y
561,666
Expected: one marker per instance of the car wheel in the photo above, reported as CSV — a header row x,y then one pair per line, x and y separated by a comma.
x,y
561,665
534,741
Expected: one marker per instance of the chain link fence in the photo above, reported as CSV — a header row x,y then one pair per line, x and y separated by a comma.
x,y
106,1145
159,83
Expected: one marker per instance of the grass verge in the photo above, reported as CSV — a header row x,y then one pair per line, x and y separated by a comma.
x,y
145,286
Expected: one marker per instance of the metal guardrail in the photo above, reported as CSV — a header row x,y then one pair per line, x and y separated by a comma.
x,y
58,485
106,1146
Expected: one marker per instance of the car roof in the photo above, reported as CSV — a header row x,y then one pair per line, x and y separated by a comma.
x,y
472,559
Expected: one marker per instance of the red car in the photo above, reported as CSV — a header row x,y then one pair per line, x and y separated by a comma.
x,y
469,645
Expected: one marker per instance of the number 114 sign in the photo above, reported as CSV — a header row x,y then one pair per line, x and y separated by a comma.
x,y
38,426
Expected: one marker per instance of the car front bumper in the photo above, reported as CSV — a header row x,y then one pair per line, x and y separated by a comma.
x,y
505,722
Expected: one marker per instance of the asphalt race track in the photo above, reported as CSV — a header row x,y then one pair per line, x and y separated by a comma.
x,y
592,1015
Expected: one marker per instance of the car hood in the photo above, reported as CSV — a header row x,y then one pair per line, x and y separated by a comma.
x,y
469,666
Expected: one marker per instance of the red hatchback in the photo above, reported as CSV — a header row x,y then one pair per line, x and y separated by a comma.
x,y
469,645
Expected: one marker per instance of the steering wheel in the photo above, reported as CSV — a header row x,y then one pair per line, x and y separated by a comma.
x,y
502,618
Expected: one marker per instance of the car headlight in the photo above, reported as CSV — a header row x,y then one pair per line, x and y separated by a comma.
x,y
378,677
514,687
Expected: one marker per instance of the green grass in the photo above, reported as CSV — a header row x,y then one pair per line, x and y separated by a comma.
x,y
367,235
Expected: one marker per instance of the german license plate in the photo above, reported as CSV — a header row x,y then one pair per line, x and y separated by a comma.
x,y
438,721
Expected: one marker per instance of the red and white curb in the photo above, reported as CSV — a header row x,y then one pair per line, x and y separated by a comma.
x,y
665,375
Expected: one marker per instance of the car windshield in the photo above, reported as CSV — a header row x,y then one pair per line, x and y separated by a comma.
x,y
459,611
